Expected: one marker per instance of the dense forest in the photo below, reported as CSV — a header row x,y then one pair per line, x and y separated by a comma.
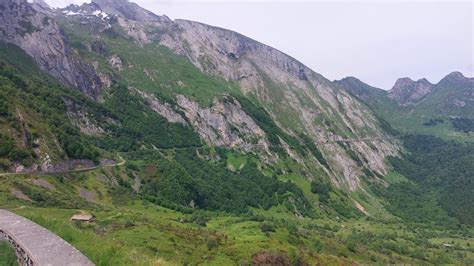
x,y
187,181
21,96
463,124
441,181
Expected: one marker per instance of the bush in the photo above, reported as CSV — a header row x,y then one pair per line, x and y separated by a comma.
x,y
318,245
322,189
212,244
267,228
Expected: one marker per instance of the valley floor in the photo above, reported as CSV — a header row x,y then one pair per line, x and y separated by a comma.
x,y
141,233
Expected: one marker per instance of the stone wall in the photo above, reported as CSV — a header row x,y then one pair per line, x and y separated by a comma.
x,y
21,255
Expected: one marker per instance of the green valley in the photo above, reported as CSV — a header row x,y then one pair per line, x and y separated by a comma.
x,y
189,144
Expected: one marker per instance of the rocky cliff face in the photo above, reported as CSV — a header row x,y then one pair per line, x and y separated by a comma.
x,y
223,124
408,92
42,38
81,119
287,89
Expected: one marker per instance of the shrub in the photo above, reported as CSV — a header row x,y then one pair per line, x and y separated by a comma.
x,y
212,244
267,228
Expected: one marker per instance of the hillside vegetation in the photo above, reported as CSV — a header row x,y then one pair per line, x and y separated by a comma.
x,y
192,144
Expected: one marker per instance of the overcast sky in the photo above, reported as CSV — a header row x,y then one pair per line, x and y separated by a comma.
x,y
376,41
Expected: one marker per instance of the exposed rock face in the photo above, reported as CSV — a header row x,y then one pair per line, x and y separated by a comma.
x,y
19,194
42,38
223,124
79,117
407,92
87,195
90,15
227,53
115,62
282,84
164,109
42,183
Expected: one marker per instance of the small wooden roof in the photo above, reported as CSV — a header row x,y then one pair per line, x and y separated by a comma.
x,y
82,217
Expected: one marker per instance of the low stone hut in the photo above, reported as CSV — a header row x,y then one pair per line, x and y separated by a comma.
x,y
86,218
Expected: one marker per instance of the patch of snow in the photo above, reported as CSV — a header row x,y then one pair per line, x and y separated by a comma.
x,y
70,13
101,14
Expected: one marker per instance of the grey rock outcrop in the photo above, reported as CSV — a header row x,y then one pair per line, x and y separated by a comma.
x,y
408,92
80,118
42,38
223,124
162,108
116,62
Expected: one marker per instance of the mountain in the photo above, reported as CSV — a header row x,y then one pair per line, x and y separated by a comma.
x,y
361,90
406,91
89,47
438,170
193,144
23,25
445,109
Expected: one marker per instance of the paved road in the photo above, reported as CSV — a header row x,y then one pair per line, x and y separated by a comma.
x,y
122,162
37,245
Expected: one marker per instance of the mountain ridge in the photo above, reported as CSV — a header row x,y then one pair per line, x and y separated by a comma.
x,y
278,82
218,149
422,107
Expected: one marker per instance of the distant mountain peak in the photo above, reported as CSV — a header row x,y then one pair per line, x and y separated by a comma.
x,y
457,79
406,81
407,91
42,3
129,10
455,76
359,88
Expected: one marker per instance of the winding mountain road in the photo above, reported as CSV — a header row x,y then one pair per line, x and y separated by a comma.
x,y
35,245
122,162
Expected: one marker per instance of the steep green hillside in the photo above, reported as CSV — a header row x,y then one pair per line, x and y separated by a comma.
x,y
193,144
208,205
442,169
33,118
131,230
